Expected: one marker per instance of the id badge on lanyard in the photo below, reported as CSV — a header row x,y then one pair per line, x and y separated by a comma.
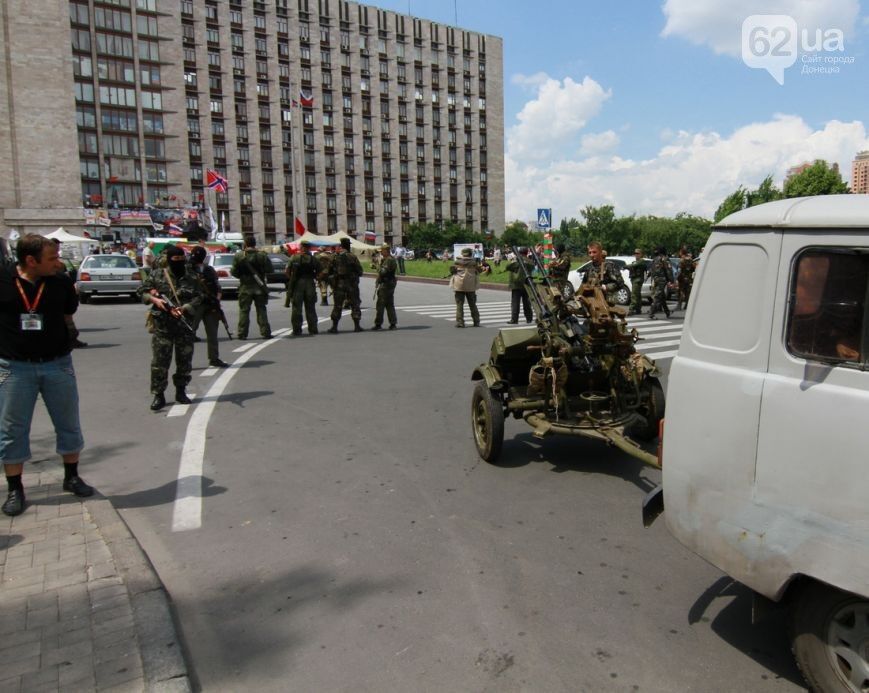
x,y
31,321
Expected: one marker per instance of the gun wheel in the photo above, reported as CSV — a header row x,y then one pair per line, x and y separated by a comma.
x,y
653,410
487,420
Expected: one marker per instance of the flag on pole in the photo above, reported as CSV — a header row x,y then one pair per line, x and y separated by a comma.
x,y
214,181
307,98
299,227
212,223
222,234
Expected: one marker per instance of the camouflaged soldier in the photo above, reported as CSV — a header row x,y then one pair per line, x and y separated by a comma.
x,y
385,290
685,278
518,291
251,267
607,274
302,272
637,273
559,268
175,294
324,257
662,275
464,282
345,272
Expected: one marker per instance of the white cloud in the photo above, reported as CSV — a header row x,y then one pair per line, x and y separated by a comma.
x,y
719,24
692,172
530,81
599,142
548,123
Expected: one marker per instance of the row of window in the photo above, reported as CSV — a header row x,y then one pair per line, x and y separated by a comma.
x,y
123,169
112,70
118,96
114,119
112,44
113,20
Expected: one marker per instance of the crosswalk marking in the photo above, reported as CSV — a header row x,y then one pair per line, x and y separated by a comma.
x,y
179,409
657,337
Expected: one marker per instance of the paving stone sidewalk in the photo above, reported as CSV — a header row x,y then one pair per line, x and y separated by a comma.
x,y
81,607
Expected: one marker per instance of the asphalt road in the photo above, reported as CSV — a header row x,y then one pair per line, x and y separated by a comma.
x,y
351,539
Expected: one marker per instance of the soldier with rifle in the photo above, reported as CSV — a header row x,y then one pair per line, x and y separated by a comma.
x,y
637,273
559,268
603,271
302,271
175,294
210,313
384,291
251,267
518,293
345,272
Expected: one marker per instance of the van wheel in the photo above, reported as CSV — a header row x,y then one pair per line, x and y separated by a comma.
x,y
623,296
652,410
487,421
830,639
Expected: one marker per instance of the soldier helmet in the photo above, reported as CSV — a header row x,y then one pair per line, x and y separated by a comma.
x,y
345,243
467,252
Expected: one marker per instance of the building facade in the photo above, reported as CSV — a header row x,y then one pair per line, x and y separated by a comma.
x,y
860,173
343,116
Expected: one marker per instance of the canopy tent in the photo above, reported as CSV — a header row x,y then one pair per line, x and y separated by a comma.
x,y
358,247
64,236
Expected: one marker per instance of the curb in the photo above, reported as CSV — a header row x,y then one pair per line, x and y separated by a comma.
x,y
433,280
161,649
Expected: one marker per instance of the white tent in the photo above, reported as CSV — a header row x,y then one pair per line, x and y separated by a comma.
x,y
358,247
64,236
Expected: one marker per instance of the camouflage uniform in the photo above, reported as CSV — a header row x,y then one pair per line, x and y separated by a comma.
x,y
608,275
386,283
251,266
637,273
518,290
559,268
325,260
685,279
345,272
662,275
169,333
302,272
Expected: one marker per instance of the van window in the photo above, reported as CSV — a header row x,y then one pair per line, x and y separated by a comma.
x,y
828,304
729,305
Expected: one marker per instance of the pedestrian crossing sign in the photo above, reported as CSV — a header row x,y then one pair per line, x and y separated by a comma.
x,y
544,218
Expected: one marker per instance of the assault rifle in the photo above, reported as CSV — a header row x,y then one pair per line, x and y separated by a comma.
x,y
170,304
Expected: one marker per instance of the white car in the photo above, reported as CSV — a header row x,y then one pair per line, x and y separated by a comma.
x,y
222,262
107,275
623,296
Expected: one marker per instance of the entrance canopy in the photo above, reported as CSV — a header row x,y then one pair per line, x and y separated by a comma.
x,y
64,236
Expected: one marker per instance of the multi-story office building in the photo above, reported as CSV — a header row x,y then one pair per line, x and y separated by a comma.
x,y
342,115
860,173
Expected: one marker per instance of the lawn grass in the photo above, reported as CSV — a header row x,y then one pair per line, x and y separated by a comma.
x,y
438,269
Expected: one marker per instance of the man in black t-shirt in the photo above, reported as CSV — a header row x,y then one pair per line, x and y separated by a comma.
x,y
35,305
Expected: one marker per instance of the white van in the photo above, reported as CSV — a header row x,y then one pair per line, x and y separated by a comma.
x,y
766,440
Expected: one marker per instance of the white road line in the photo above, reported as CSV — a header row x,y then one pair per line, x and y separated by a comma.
x,y
179,409
451,305
657,345
208,372
659,335
244,347
187,512
661,354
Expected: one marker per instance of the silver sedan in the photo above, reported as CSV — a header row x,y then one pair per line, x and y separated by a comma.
x,y
107,275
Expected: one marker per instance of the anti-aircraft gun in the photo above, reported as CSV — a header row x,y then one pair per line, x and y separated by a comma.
x,y
576,372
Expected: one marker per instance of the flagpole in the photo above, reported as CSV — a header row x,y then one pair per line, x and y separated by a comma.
x,y
297,167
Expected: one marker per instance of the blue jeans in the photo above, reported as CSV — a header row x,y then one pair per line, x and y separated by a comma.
x,y
20,384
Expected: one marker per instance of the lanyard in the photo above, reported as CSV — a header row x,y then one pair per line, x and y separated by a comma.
x,y
28,306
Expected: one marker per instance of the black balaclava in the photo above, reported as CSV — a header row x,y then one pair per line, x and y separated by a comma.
x,y
178,266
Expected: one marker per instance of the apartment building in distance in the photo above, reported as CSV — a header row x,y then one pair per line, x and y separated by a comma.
x,y
860,173
341,115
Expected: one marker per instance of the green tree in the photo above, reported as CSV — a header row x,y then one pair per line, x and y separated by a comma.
x,y
421,237
817,179
516,233
734,202
766,192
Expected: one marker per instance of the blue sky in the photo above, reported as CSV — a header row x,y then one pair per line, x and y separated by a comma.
x,y
649,106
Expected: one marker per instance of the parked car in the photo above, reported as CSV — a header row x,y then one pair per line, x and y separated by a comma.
x,y
623,296
278,275
221,262
107,275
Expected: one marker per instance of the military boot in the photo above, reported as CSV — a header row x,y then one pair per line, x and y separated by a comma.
x,y
181,396
357,327
334,328
158,402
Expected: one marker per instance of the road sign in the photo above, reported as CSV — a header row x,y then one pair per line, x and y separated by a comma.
x,y
544,218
